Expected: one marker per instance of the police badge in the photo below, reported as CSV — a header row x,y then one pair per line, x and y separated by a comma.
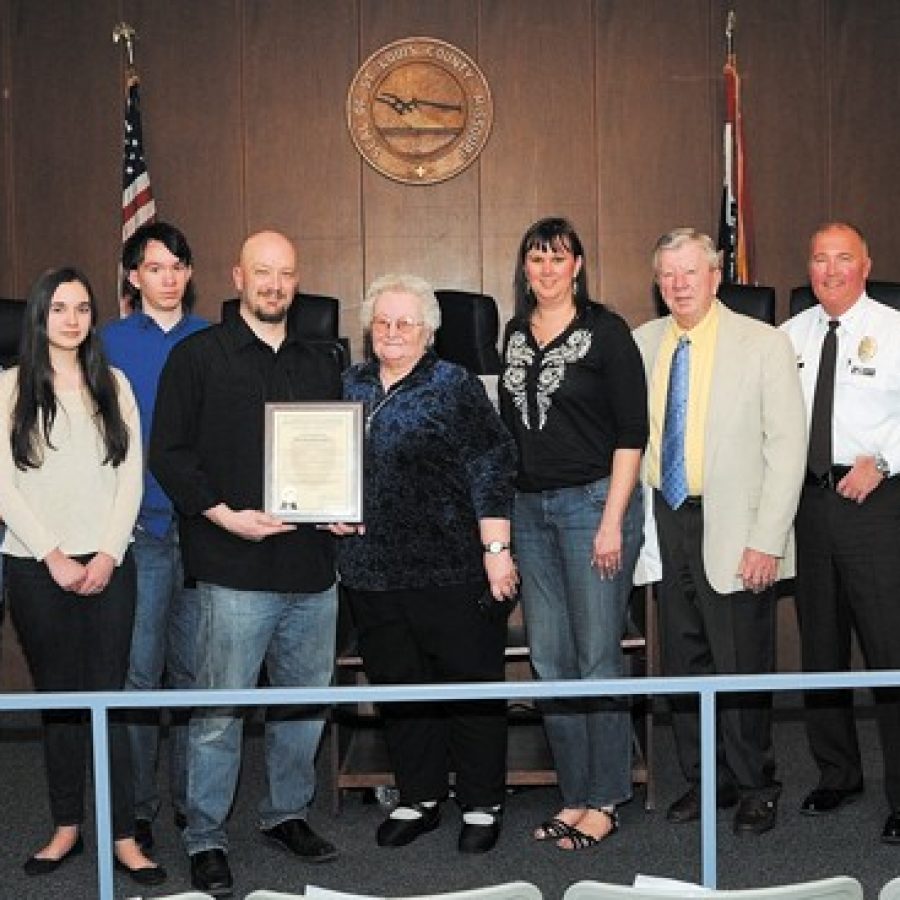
x,y
867,349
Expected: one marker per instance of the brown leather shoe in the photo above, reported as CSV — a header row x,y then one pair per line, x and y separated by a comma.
x,y
756,815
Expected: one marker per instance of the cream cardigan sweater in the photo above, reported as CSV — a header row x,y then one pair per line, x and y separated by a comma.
x,y
72,501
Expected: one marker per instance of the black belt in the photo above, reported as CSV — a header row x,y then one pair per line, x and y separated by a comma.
x,y
696,502
829,480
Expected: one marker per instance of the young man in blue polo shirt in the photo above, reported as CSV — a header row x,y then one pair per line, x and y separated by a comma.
x,y
156,267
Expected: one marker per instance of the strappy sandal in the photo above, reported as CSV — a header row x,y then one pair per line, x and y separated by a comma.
x,y
581,840
552,830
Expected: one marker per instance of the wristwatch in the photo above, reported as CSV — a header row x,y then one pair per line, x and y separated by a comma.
x,y
496,546
882,465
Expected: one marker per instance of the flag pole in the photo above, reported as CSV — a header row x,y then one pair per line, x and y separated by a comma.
x,y
138,205
728,214
735,219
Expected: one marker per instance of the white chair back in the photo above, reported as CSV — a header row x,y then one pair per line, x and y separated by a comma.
x,y
838,888
514,890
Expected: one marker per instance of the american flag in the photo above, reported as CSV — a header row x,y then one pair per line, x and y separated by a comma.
x,y
138,205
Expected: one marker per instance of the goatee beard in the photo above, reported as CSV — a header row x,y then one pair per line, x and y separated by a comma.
x,y
270,318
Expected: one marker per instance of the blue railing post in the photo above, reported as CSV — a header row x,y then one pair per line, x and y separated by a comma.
x,y
708,786
100,734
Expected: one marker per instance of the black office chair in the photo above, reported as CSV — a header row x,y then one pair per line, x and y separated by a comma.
x,y
470,326
313,317
752,300
887,292
12,314
748,299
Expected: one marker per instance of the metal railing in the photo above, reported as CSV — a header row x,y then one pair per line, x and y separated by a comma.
x,y
100,704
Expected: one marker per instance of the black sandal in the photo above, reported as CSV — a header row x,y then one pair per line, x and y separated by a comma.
x,y
581,840
552,830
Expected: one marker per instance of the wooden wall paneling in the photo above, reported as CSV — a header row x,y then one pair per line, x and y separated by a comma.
x,y
429,230
780,51
302,170
656,135
8,286
188,57
541,158
14,675
864,93
66,139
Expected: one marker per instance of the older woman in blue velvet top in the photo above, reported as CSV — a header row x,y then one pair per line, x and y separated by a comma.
x,y
429,573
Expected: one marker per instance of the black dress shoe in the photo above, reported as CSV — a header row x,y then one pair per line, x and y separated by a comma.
x,y
480,836
143,833
687,807
755,815
210,873
396,832
38,866
146,876
826,800
298,838
891,832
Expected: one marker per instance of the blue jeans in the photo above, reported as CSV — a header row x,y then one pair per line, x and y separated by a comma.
x,y
162,645
575,620
294,635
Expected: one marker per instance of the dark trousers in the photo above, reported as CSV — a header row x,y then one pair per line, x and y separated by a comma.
x,y
703,632
77,643
848,577
427,636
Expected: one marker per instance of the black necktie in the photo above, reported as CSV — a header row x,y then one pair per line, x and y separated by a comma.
x,y
819,460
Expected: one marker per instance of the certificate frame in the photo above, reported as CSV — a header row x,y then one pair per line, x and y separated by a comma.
x,y
314,461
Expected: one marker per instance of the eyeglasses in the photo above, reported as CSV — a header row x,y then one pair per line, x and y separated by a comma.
x,y
404,325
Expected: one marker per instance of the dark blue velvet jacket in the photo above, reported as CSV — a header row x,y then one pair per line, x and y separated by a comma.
x,y
437,459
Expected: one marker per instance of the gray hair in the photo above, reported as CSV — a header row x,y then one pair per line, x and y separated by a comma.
x,y
678,237
841,226
404,284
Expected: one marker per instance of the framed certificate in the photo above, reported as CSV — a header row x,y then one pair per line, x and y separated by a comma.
x,y
314,462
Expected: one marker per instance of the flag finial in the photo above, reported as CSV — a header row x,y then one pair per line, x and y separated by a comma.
x,y
729,32
125,33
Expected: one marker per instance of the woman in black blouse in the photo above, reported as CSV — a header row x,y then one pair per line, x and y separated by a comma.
x,y
429,571
572,392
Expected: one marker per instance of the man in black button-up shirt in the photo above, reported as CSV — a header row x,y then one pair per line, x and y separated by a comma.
x,y
266,588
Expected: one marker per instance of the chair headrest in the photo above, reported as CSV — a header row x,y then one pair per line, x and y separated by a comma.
x,y
312,316
470,326
887,292
12,314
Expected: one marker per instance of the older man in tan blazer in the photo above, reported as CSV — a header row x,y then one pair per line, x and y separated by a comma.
x,y
726,460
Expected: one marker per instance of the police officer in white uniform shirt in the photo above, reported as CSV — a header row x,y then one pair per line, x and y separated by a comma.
x,y
848,522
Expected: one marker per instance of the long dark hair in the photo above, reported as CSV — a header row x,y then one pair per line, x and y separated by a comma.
x,y
35,407
549,234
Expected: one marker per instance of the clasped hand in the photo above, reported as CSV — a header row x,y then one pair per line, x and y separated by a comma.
x,y
85,579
